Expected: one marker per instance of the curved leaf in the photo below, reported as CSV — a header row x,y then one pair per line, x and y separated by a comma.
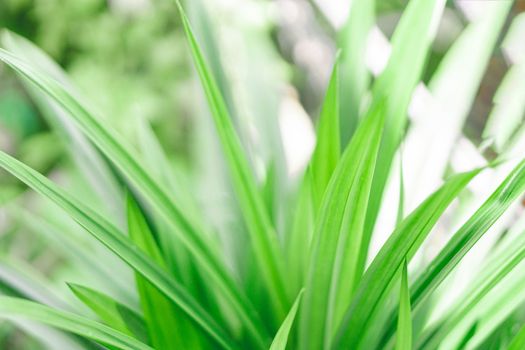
x,y
115,240
123,157
410,46
402,244
474,295
15,307
263,236
509,190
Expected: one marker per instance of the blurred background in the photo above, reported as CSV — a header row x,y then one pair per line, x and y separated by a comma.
x,y
129,58
272,59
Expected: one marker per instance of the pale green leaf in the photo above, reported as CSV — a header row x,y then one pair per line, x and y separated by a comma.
x,y
439,125
91,261
92,165
353,40
30,283
19,308
507,114
263,236
461,242
410,46
475,293
468,234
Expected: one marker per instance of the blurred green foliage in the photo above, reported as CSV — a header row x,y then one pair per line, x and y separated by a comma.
x,y
128,61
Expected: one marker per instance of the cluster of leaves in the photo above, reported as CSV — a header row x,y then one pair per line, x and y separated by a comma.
x,y
302,279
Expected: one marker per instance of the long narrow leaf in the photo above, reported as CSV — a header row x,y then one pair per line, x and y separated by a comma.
x,y
281,338
119,244
355,76
466,237
404,321
401,245
92,165
313,186
123,157
511,188
29,283
433,136
263,236
14,308
474,295
90,261
410,45
167,327
337,234
299,239
51,337
327,150
496,310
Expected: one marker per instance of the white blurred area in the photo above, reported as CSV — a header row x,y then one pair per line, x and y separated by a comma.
x,y
298,134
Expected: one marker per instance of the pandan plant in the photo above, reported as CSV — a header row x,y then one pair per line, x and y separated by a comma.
x,y
304,273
